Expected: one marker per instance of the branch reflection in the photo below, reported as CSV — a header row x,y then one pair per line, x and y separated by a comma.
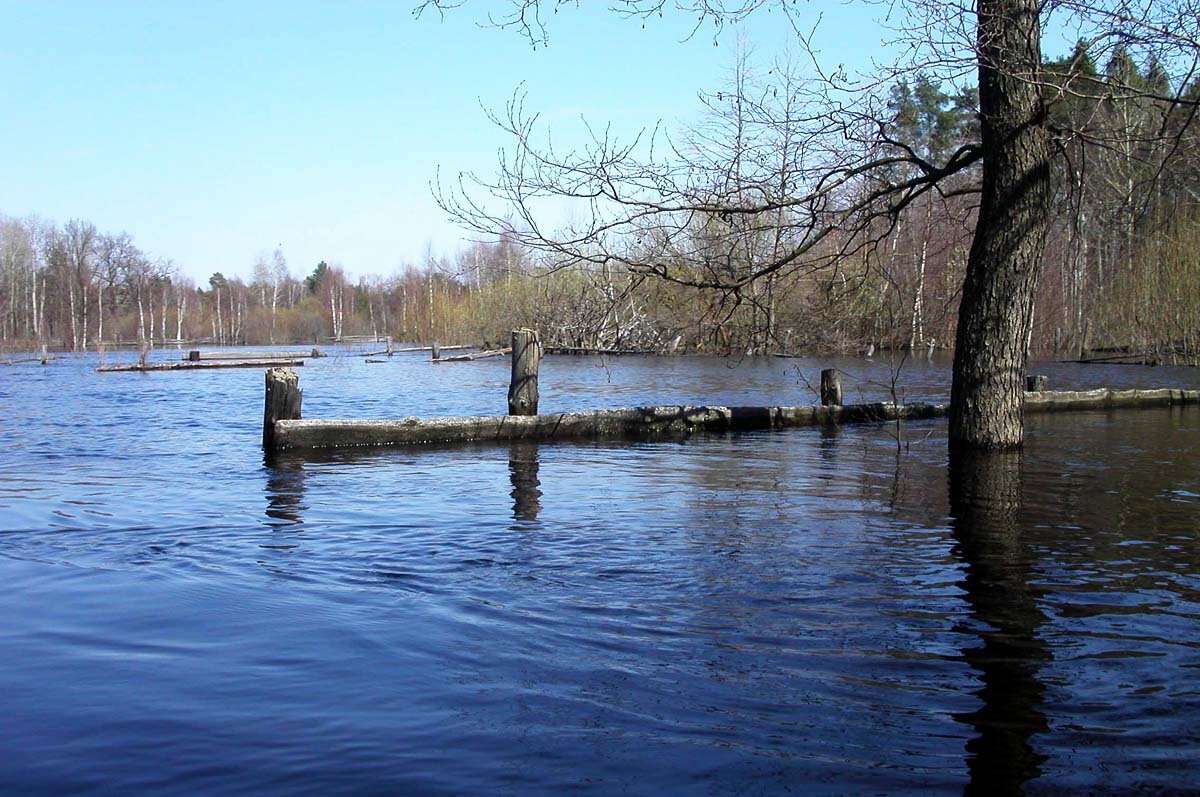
x,y
985,504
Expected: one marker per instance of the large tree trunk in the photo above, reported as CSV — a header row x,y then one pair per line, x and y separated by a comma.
x,y
1006,254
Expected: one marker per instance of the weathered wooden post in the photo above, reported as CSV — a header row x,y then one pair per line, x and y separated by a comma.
x,y
45,356
523,388
389,346
1036,383
282,402
831,388
194,356
437,351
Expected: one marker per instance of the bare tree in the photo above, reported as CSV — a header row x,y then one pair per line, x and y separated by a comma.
x,y
656,208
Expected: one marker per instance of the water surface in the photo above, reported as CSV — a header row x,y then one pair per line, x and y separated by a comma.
x,y
809,611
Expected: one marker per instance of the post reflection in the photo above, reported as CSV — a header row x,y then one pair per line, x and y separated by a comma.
x,y
285,488
985,504
526,486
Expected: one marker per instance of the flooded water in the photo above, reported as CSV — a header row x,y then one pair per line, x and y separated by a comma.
x,y
804,611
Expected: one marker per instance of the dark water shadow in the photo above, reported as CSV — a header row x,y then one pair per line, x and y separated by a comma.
x,y
985,505
523,467
285,489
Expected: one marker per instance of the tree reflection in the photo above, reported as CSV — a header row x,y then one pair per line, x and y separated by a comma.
x,y
285,488
985,503
526,486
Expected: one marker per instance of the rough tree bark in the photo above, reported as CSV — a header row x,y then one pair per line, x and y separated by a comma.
x,y
1004,266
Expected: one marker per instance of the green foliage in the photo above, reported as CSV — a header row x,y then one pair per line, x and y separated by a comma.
x,y
314,280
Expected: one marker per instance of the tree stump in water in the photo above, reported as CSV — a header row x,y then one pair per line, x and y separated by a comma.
x,y
282,402
523,388
831,388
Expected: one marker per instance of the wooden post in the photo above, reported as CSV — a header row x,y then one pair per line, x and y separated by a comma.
x,y
437,351
45,357
831,387
194,356
282,402
1037,383
523,388
389,346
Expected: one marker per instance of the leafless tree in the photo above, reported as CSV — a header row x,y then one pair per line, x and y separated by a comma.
x,y
671,212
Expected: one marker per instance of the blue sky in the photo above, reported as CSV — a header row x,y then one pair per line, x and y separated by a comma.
x,y
214,132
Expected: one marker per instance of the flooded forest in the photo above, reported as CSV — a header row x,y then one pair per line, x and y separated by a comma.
x,y
1119,270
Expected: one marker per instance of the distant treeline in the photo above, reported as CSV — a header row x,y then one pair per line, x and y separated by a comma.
x,y
1121,270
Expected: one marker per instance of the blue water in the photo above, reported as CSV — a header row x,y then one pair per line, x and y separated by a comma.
x,y
803,611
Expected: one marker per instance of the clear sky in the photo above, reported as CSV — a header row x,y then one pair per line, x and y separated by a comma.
x,y
215,131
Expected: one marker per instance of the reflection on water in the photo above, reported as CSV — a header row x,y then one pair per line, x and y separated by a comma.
x,y
285,488
523,473
985,507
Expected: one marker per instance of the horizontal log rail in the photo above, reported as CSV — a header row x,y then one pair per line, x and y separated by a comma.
x,y
284,428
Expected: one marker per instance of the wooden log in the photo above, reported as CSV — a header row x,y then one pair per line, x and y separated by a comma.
x,y
831,388
1037,383
201,366
423,348
637,423
436,350
1104,398
652,422
476,355
45,358
523,386
281,402
389,345
37,359
256,355
585,350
